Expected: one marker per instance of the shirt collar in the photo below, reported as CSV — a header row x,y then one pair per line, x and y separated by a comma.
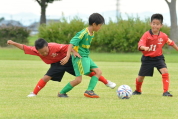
x,y
150,31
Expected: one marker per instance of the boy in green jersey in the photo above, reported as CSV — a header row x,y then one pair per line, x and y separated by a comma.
x,y
81,61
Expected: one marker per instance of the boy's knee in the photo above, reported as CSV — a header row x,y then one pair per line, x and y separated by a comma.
x,y
46,78
99,73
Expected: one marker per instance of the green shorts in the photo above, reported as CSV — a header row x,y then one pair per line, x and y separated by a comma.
x,y
83,66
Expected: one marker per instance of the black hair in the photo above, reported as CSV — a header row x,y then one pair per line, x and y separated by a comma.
x,y
40,43
158,17
96,18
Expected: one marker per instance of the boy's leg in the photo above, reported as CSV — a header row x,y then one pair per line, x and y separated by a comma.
x,y
101,78
66,89
41,83
165,80
105,81
89,92
70,86
146,69
138,85
82,66
93,81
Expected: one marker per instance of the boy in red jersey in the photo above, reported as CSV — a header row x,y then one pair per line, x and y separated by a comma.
x,y
52,53
151,44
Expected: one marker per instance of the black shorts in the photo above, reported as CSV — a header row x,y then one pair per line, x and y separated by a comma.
x,y
56,71
148,64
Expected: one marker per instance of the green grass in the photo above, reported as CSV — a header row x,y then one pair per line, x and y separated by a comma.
x,y
32,39
20,77
20,73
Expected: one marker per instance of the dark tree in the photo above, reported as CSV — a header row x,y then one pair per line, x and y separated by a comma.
x,y
43,4
173,18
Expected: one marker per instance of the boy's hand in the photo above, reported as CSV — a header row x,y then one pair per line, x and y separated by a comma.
x,y
146,48
76,54
64,60
10,42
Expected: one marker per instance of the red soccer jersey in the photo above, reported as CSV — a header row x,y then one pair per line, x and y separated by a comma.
x,y
56,52
154,42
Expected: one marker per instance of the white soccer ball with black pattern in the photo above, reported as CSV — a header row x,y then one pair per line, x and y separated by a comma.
x,y
124,92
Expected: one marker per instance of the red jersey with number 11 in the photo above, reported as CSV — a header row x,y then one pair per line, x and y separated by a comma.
x,y
154,42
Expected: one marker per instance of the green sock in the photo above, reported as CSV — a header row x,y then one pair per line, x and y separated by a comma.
x,y
66,89
93,82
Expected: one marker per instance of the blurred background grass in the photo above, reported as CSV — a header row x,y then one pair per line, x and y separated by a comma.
x,y
16,54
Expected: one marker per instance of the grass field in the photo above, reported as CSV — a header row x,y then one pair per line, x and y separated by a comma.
x,y
20,73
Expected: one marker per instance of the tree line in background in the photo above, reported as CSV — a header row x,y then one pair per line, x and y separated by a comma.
x,y
123,38
120,36
171,4
15,33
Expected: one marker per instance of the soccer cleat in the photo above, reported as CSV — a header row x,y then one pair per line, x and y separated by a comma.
x,y
167,94
136,93
90,94
31,95
111,84
62,95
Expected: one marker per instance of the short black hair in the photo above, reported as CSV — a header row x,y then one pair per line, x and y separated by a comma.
x,y
96,18
158,17
40,43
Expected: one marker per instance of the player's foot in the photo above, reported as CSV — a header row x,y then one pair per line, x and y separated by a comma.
x,y
90,94
31,95
136,93
167,94
111,84
62,95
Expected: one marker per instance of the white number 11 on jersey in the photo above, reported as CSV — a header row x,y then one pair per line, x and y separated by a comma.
x,y
152,47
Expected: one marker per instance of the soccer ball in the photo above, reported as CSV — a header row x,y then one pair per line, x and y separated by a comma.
x,y
124,92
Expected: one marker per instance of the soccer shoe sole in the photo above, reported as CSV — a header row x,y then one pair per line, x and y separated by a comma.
x,y
94,96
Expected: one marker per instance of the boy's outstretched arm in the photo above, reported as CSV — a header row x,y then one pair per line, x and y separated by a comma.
x,y
18,45
172,43
175,46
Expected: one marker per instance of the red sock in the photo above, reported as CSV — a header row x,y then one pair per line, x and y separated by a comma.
x,y
39,86
101,78
165,80
91,74
138,85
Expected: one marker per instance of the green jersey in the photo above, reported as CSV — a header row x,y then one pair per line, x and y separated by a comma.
x,y
81,42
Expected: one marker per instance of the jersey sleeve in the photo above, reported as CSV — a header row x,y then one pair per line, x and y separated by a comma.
x,y
142,41
31,50
76,39
170,42
167,40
